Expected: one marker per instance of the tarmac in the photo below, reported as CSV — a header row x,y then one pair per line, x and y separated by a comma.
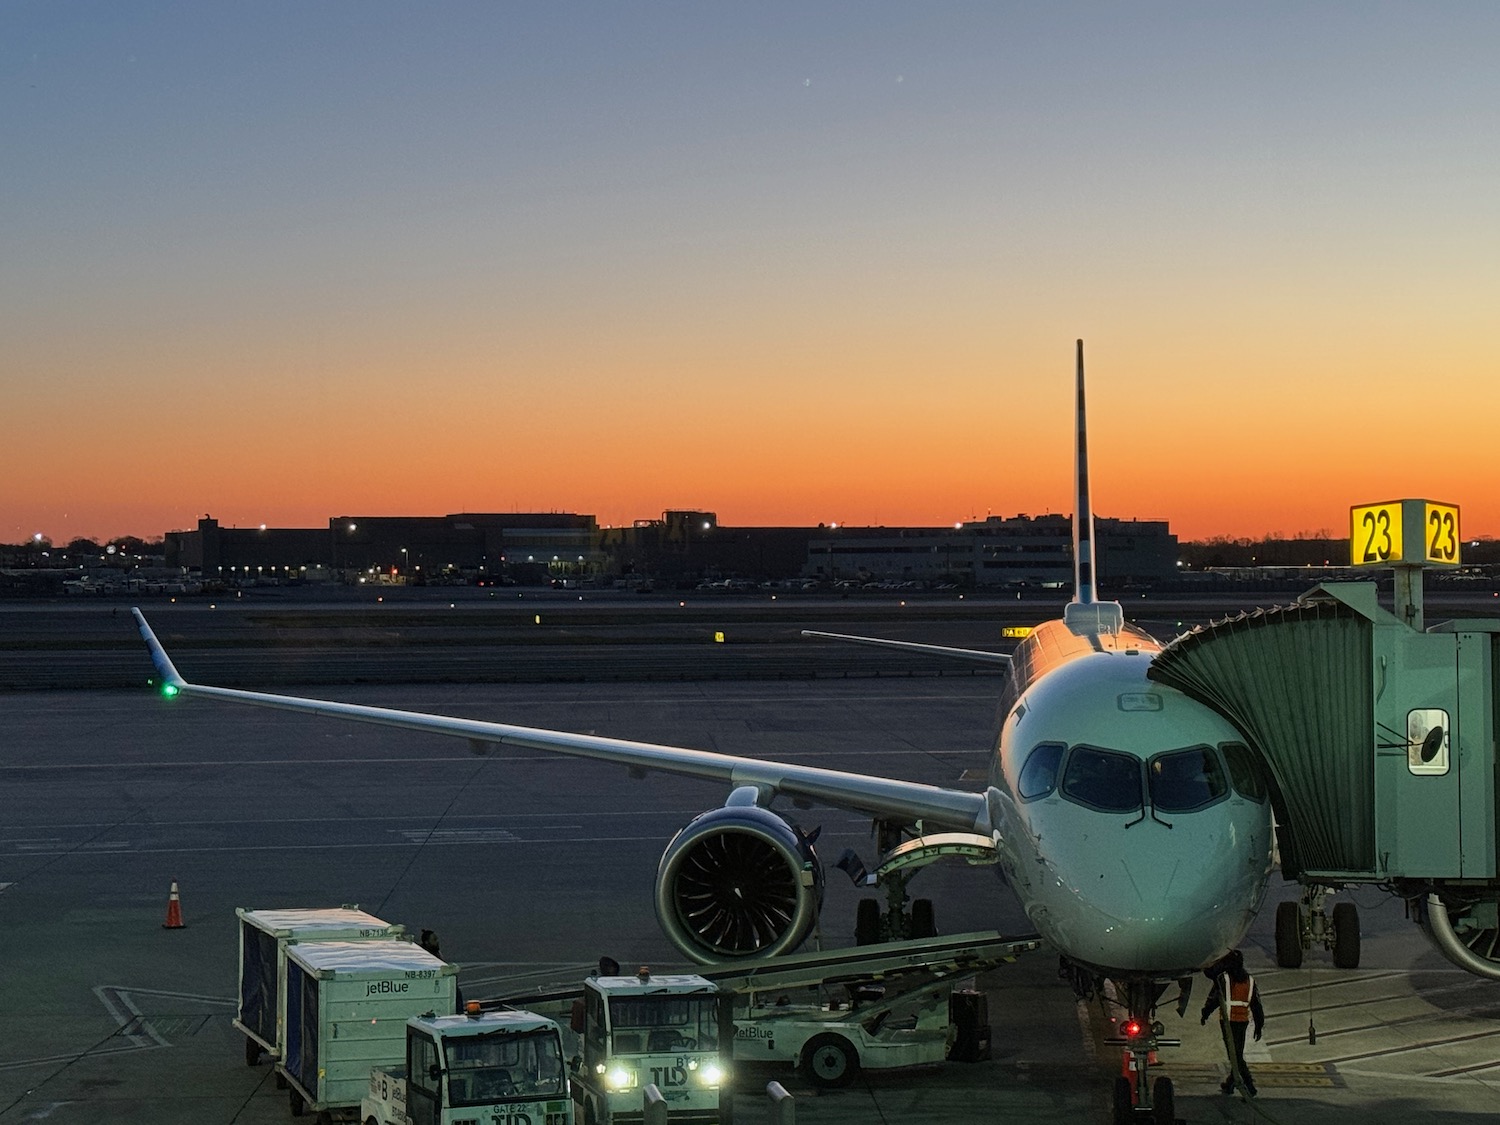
x,y
530,867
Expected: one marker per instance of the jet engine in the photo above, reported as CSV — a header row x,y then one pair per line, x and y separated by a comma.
x,y
1466,931
738,881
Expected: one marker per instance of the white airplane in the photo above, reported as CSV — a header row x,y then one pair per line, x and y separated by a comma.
x,y
1130,820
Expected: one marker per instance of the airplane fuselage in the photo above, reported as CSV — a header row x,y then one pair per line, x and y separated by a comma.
x,y
1129,819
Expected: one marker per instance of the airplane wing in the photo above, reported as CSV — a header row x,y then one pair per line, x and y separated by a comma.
x,y
877,796
976,655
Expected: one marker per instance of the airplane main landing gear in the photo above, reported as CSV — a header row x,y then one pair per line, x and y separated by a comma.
x,y
1299,925
1137,1097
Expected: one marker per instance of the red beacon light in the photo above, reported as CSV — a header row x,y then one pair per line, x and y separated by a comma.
x,y
1132,1029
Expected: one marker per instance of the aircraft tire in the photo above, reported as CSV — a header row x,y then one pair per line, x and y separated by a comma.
x,y
830,1061
252,1052
923,922
1124,1102
1346,936
1288,936
1164,1102
867,922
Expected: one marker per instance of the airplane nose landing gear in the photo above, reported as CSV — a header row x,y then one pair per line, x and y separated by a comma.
x,y
1137,1098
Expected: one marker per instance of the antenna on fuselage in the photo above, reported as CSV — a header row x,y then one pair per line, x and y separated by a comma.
x,y
1083,614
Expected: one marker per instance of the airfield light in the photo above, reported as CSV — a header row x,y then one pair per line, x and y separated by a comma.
x,y
169,690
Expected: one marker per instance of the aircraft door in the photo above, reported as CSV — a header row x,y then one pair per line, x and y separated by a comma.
x,y
1417,763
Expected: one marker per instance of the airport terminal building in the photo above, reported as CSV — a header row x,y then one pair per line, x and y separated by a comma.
x,y
1015,551
683,546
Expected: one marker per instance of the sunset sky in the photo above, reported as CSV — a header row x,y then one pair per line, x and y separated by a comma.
x,y
787,262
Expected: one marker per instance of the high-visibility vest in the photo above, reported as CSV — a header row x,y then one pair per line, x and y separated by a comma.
x,y
1236,996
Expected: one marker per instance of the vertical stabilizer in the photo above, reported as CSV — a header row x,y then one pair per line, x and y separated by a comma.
x,y
1083,510
1084,614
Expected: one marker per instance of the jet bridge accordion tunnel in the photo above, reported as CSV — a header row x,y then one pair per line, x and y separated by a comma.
x,y
1378,744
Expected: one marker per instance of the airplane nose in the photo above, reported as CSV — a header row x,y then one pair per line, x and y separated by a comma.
x,y
1160,909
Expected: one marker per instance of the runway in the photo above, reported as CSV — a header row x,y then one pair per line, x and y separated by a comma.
x,y
530,867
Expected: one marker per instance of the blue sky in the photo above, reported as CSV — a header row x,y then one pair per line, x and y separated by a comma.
x,y
842,250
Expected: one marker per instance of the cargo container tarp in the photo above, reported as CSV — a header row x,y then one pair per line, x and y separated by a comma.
x,y
302,1027
258,982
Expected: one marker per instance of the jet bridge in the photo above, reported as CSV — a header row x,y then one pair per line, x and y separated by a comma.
x,y
1378,742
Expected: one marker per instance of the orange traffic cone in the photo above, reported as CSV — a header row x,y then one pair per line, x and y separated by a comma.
x,y
174,910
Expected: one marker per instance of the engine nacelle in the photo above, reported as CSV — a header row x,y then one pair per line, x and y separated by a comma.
x,y
738,882
1465,932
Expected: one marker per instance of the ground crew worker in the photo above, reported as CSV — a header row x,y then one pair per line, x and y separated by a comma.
x,y
1238,1000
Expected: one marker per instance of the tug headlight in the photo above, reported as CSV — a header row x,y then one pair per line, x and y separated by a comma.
x,y
711,1074
619,1078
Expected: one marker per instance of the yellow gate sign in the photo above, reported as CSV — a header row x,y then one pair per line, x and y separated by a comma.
x,y
1404,533
1441,533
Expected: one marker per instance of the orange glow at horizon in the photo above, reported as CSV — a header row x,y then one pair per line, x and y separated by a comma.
x,y
892,437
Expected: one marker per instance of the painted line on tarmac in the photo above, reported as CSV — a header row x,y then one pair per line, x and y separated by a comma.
x,y
1441,1015
21,1064
220,822
560,757
114,998
656,839
222,1001
1384,1052
1336,982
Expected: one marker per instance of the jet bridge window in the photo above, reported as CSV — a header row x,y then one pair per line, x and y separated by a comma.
x,y
1039,774
1185,780
1103,779
1427,741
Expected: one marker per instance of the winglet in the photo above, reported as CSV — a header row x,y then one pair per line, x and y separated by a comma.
x,y
171,681
1084,615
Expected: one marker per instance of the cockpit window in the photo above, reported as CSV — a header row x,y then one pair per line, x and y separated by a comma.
x,y
1185,780
1103,779
1039,775
1244,771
